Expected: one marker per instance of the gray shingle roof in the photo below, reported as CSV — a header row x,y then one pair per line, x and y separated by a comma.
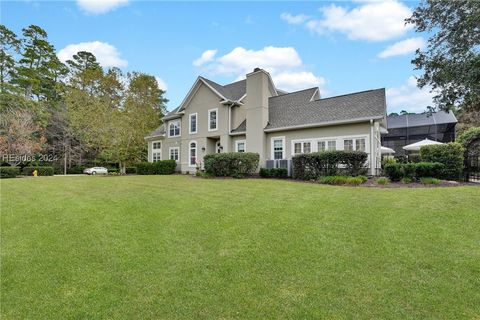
x,y
294,110
157,132
424,119
232,91
242,127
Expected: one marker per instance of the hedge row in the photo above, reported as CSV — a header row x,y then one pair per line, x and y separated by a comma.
x,y
231,164
9,172
159,167
41,171
340,180
399,171
327,163
451,155
273,173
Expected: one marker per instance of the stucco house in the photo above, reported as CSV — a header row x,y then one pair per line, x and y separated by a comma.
x,y
252,115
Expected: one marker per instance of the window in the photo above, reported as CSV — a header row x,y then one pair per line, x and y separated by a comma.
x,y
321,145
212,119
360,144
332,145
193,123
156,156
174,153
348,144
156,145
240,146
174,128
193,154
302,147
278,148
307,147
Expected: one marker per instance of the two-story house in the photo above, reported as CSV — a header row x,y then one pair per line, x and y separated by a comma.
x,y
252,115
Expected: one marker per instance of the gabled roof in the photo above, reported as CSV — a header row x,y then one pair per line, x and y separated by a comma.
x,y
160,131
295,110
242,127
423,119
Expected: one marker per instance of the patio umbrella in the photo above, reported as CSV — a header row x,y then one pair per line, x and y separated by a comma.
x,y
385,150
417,145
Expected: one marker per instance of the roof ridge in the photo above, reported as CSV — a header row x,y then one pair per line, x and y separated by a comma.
x,y
349,94
286,94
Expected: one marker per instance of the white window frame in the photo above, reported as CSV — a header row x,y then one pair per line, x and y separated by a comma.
x,y
190,154
217,117
190,123
153,144
302,146
244,145
179,128
159,153
272,149
354,142
170,153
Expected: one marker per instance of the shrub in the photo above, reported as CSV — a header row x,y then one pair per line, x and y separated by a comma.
x,y
469,136
113,170
202,174
450,155
414,158
408,170
130,170
76,169
428,169
429,180
231,164
407,180
393,171
383,181
339,180
41,171
313,165
159,167
273,173
9,172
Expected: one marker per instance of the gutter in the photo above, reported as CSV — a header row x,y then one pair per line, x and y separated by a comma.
x,y
323,124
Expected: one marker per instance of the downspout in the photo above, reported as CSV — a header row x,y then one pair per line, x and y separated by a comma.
x,y
372,150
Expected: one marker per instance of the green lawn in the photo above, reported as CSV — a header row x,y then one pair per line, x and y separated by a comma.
x,y
177,247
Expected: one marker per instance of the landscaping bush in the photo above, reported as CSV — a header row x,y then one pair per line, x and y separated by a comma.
x,y
383,181
408,170
407,180
9,172
41,171
113,170
313,165
393,171
76,169
428,169
273,173
130,170
429,180
231,164
160,167
450,155
340,180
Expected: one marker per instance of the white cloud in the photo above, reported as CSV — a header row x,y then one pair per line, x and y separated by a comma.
x,y
207,56
283,63
372,21
291,19
409,97
106,54
403,47
161,83
100,6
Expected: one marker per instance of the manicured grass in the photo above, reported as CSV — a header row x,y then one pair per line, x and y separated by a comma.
x,y
178,247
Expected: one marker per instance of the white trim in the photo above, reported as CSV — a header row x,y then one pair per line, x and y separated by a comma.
x,y
244,145
313,95
170,153
321,124
208,119
191,91
179,128
190,123
284,151
337,139
190,155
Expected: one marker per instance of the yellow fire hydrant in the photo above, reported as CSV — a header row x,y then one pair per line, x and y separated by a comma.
x,y
35,173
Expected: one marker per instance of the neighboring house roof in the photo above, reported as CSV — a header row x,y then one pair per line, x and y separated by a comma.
x,y
423,119
295,110
242,127
160,131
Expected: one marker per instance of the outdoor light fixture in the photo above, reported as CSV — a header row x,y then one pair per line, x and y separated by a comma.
x,y
203,149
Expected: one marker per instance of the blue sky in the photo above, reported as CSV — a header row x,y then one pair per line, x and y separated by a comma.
x,y
341,47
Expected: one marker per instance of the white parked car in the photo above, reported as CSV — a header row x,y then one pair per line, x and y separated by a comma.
x,y
95,170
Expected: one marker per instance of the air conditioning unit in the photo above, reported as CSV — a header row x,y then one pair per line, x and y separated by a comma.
x,y
286,164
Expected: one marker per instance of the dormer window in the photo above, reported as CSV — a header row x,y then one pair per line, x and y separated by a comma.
x,y
212,119
174,128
